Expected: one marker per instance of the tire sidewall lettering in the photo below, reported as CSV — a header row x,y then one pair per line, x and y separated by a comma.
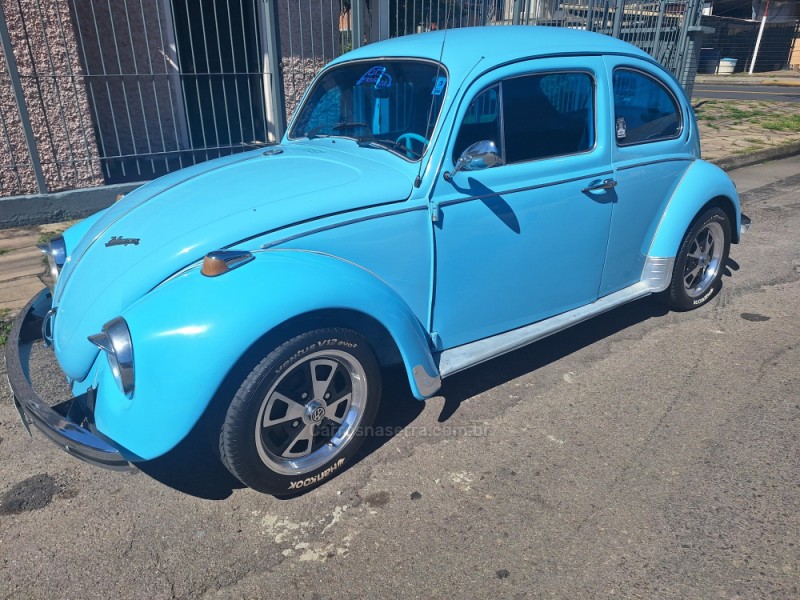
x,y
706,296
299,484
329,343
239,437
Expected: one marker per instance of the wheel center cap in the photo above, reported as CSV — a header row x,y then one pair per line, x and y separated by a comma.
x,y
314,412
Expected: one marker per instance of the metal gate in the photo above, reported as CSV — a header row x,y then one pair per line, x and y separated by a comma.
x,y
663,28
113,91
660,28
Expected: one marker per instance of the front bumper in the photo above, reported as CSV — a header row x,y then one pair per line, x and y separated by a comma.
x,y
70,423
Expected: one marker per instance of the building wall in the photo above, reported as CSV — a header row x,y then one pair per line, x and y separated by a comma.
x,y
309,41
794,59
52,79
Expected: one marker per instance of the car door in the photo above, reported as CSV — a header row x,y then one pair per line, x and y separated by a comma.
x,y
525,240
653,147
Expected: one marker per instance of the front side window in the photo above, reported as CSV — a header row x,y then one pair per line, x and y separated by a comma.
x,y
482,121
532,117
390,103
644,110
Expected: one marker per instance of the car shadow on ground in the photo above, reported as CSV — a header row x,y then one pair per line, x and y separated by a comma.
x,y
194,468
467,384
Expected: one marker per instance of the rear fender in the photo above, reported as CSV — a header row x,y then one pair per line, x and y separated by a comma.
x,y
702,183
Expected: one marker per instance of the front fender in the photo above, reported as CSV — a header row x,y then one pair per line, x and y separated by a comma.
x,y
189,332
701,183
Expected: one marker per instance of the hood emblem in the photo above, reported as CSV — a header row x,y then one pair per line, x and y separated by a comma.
x,y
118,240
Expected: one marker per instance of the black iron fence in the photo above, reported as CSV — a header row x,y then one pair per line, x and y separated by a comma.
x,y
94,93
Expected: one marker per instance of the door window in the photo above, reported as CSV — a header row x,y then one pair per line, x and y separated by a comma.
x,y
482,121
548,115
532,117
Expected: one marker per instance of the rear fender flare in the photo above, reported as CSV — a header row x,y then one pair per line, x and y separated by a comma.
x,y
701,184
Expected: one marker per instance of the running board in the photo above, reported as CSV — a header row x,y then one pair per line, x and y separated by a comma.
x,y
462,357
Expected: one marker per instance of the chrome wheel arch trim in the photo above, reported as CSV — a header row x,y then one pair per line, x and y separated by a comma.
x,y
657,273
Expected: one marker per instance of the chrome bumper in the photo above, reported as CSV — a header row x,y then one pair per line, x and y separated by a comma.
x,y
69,427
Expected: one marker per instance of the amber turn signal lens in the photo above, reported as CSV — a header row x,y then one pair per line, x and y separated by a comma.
x,y
221,261
213,266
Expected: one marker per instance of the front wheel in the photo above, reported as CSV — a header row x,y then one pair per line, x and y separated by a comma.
x,y
701,259
301,413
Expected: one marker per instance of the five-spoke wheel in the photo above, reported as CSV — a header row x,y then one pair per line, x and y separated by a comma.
x,y
700,261
301,413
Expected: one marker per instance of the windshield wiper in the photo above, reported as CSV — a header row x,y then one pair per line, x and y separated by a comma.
x,y
349,125
315,133
389,145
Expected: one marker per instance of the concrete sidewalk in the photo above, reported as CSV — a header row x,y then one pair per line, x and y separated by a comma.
x,y
790,78
732,135
737,133
22,266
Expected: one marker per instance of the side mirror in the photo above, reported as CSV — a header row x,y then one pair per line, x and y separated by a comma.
x,y
478,156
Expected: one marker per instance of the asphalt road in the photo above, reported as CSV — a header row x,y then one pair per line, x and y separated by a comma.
x,y
728,91
644,454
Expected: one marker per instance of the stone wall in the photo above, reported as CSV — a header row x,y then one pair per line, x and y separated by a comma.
x,y
101,79
45,50
309,41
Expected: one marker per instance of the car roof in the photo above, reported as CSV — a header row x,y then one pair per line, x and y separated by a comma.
x,y
495,45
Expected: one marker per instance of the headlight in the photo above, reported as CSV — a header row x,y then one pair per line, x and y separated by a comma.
x,y
56,252
115,341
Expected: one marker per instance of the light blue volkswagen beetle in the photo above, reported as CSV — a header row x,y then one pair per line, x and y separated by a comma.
x,y
438,200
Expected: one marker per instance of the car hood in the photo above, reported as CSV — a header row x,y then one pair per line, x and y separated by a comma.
x,y
174,221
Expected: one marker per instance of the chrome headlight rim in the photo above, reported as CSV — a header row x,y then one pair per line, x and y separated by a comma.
x,y
56,252
115,340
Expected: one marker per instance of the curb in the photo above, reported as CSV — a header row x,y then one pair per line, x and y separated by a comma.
x,y
739,80
736,161
52,207
789,83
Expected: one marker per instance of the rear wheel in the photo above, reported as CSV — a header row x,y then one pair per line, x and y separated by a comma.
x,y
301,413
697,276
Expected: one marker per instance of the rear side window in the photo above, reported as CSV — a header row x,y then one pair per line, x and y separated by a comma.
x,y
644,109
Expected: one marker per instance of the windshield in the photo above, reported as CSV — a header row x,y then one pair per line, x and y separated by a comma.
x,y
390,104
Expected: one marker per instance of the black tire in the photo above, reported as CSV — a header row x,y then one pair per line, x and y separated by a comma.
x,y
701,260
302,412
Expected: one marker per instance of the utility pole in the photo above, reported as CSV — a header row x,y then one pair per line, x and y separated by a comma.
x,y
758,39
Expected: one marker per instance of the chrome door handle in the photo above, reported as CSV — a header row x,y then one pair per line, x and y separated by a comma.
x,y
606,184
